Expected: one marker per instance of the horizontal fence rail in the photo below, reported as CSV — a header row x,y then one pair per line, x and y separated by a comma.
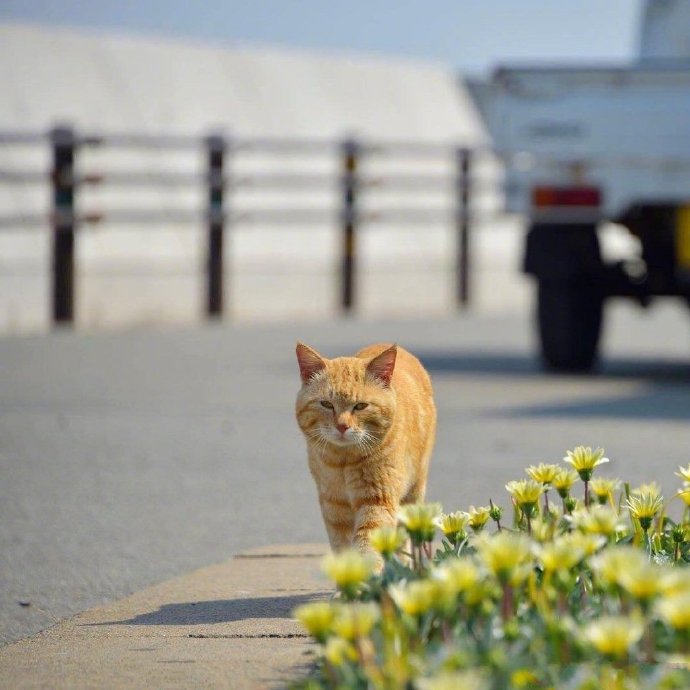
x,y
218,182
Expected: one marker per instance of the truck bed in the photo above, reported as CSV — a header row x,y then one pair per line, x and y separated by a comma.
x,y
625,130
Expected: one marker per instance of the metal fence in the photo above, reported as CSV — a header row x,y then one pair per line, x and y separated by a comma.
x,y
220,182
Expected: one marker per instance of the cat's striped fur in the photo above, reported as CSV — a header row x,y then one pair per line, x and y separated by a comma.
x,y
370,424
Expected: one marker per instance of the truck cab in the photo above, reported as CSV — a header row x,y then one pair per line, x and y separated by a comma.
x,y
584,146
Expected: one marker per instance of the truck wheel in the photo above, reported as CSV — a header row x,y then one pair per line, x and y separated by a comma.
x,y
569,315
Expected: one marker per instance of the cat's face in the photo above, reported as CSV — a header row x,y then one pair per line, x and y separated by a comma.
x,y
345,402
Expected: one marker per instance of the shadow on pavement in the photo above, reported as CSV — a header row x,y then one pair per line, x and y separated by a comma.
x,y
650,403
469,362
502,364
663,393
219,611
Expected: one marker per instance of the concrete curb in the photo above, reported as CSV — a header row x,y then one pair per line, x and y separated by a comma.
x,y
223,626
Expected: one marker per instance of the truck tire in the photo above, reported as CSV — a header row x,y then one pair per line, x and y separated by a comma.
x,y
569,316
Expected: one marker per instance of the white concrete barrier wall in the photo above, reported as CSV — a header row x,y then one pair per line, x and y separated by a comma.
x,y
154,274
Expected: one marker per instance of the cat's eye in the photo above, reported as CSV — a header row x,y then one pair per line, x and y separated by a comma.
x,y
360,406
326,404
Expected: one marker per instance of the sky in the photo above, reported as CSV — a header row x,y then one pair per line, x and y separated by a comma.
x,y
471,36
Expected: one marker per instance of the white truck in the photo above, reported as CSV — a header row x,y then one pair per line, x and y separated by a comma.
x,y
583,146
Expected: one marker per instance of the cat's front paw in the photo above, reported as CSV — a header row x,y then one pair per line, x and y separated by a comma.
x,y
374,557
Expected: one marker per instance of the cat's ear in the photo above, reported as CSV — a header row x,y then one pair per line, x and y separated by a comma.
x,y
310,362
381,367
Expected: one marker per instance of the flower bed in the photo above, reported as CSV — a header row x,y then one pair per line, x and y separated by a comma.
x,y
575,592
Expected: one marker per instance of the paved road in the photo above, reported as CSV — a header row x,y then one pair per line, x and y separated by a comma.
x,y
127,458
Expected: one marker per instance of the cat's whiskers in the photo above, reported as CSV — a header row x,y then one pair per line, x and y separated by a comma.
x,y
320,438
366,441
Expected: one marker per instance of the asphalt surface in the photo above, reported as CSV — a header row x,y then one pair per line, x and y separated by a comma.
x,y
128,458
227,625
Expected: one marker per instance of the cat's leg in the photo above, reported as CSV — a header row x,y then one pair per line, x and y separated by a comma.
x,y
339,521
336,510
369,515
416,492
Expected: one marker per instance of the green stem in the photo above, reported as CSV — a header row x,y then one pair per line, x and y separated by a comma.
x,y
647,540
649,644
507,603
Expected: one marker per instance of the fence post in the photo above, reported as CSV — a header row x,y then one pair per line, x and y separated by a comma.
x,y
463,167
350,155
63,224
215,147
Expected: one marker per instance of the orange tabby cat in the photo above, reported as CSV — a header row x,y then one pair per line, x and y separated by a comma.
x,y
370,424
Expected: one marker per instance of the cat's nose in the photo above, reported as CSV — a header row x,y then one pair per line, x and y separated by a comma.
x,y
342,428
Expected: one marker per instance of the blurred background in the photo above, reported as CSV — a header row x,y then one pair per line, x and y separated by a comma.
x,y
286,84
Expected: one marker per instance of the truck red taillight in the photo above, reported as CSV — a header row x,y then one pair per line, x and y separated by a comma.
x,y
547,196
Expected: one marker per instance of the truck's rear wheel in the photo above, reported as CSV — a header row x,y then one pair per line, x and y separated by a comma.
x,y
569,315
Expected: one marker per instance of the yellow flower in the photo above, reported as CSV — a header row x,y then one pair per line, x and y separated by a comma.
x,y
684,473
610,563
478,517
643,582
457,574
507,555
561,554
355,620
543,473
649,489
584,460
348,568
564,480
604,487
524,678
589,544
387,540
613,636
419,520
454,680
675,610
543,529
453,524
317,617
414,598
598,519
675,581
526,493
482,595
339,651
684,493
644,505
